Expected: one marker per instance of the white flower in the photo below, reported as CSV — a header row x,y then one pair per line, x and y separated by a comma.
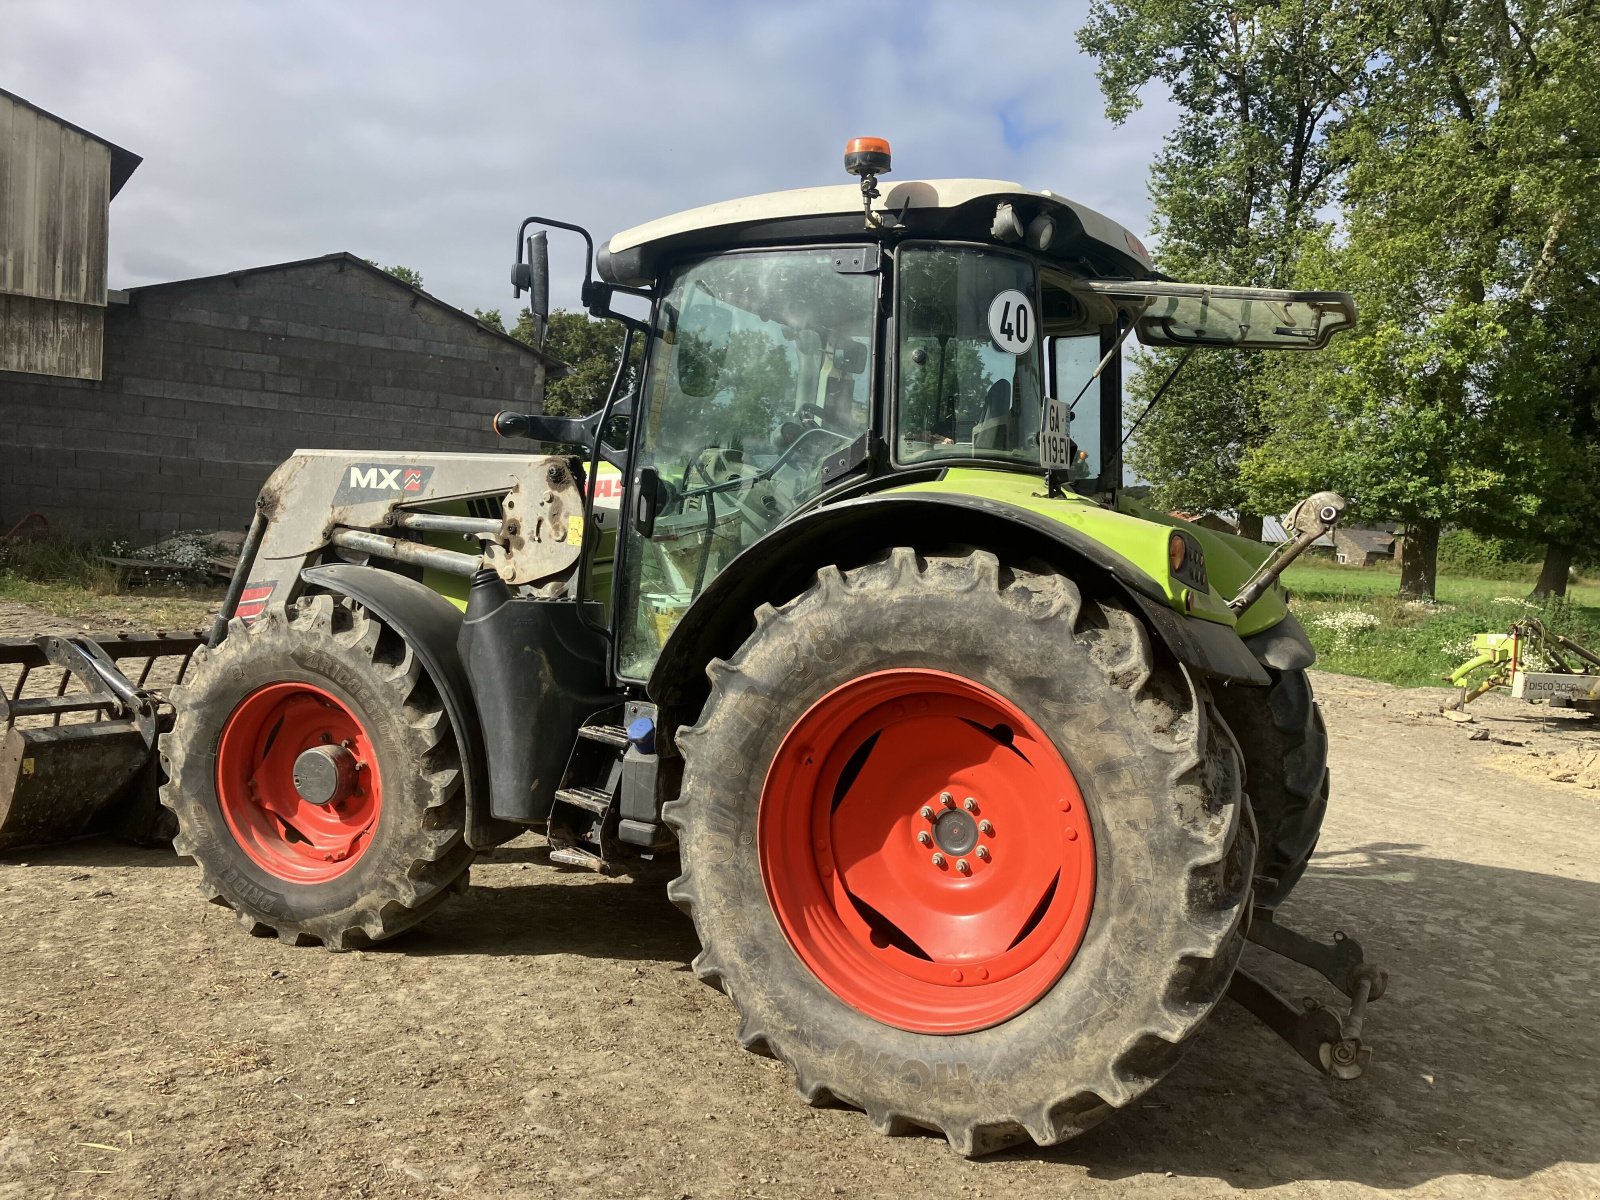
x,y
1346,625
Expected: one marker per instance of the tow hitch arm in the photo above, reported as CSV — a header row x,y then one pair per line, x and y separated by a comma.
x,y
1330,1043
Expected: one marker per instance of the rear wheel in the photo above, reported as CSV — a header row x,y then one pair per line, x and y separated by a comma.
x,y
315,778
1285,748
961,850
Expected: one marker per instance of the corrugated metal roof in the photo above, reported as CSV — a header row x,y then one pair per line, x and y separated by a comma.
x,y
123,162
344,256
1272,533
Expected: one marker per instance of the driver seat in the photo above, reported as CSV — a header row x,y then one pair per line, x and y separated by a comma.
x,y
993,430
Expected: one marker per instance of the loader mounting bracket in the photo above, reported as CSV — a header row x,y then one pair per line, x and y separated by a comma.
x,y
1330,1043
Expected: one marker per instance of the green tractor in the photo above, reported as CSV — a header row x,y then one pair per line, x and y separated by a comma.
x,y
977,775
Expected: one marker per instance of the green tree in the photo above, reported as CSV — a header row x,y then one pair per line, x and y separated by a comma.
x,y
589,350
405,275
1466,173
491,317
1242,181
1552,365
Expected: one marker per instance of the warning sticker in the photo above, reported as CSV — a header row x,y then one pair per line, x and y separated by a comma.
x,y
1011,322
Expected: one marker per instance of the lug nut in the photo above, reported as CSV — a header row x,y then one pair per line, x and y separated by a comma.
x,y
970,804
938,860
925,838
946,799
983,853
985,828
927,813
963,866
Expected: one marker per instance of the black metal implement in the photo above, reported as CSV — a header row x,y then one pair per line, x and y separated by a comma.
x,y
1328,1042
77,734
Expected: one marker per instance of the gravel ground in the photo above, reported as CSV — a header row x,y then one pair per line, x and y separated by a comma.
x,y
542,1036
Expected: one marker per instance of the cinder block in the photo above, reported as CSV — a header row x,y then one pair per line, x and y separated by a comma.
x,y
77,479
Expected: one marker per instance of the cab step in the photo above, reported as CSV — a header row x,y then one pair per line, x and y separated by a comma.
x,y
574,856
610,735
584,815
593,799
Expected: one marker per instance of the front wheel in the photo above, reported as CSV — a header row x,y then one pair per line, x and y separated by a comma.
x,y
315,777
961,850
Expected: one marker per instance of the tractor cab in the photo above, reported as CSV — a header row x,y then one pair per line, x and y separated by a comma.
x,y
811,346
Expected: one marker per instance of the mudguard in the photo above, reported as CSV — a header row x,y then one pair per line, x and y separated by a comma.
x,y
1284,647
430,624
850,533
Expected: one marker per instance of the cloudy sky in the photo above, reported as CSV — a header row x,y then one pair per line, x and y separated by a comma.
x,y
421,132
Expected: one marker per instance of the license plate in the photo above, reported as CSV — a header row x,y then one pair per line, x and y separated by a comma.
x,y
1055,445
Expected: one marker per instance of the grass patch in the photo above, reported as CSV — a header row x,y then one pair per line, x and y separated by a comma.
x,y
1360,626
68,578
55,561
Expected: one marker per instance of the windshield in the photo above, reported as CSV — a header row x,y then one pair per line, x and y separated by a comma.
x,y
969,356
758,373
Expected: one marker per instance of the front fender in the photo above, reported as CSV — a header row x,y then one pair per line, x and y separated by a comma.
x,y
430,625
852,533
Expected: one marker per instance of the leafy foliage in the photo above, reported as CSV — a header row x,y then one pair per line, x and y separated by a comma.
x,y
405,275
1438,158
589,348
1240,185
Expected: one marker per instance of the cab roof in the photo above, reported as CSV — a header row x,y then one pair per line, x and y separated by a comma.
x,y
947,208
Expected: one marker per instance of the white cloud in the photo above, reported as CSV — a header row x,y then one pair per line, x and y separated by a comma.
x,y
422,133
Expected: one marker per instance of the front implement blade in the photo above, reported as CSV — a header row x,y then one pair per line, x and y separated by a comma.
x,y
75,756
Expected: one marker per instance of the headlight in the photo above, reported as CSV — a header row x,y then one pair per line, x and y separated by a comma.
x,y
1187,560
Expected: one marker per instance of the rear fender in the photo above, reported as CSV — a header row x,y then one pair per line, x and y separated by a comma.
x,y
430,625
850,534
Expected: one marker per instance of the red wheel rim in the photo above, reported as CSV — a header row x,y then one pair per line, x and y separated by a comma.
x,y
282,832
877,778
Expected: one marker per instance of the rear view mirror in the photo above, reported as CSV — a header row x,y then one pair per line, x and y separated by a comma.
x,y
533,277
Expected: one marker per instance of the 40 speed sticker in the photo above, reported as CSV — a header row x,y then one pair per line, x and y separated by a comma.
x,y
1011,322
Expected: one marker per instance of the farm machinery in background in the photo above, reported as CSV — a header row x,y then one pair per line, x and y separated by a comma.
x,y
1533,663
978,775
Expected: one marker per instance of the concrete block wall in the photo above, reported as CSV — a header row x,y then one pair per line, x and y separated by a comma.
x,y
209,384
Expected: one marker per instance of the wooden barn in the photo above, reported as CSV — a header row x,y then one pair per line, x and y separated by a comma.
x,y
56,186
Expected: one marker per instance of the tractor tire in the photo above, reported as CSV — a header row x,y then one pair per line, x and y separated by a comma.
x,y
963,849
326,691
1285,746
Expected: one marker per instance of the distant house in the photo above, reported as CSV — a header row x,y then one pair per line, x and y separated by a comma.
x,y
1365,547
1273,534
1207,521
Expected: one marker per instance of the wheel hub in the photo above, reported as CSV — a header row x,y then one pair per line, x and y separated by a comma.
x,y
956,832
325,774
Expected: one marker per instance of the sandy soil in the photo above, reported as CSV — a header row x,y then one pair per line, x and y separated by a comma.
x,y
542,1035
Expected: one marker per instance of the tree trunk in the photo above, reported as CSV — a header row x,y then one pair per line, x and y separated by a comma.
x,y
1250,526
1553,575
1419,560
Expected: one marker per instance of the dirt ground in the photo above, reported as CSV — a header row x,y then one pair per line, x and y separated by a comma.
x,y
542,1035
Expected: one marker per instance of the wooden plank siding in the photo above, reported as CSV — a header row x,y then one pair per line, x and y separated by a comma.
x,y
50,337
55,196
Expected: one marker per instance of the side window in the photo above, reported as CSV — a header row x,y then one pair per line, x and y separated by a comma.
x,y
1073,360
